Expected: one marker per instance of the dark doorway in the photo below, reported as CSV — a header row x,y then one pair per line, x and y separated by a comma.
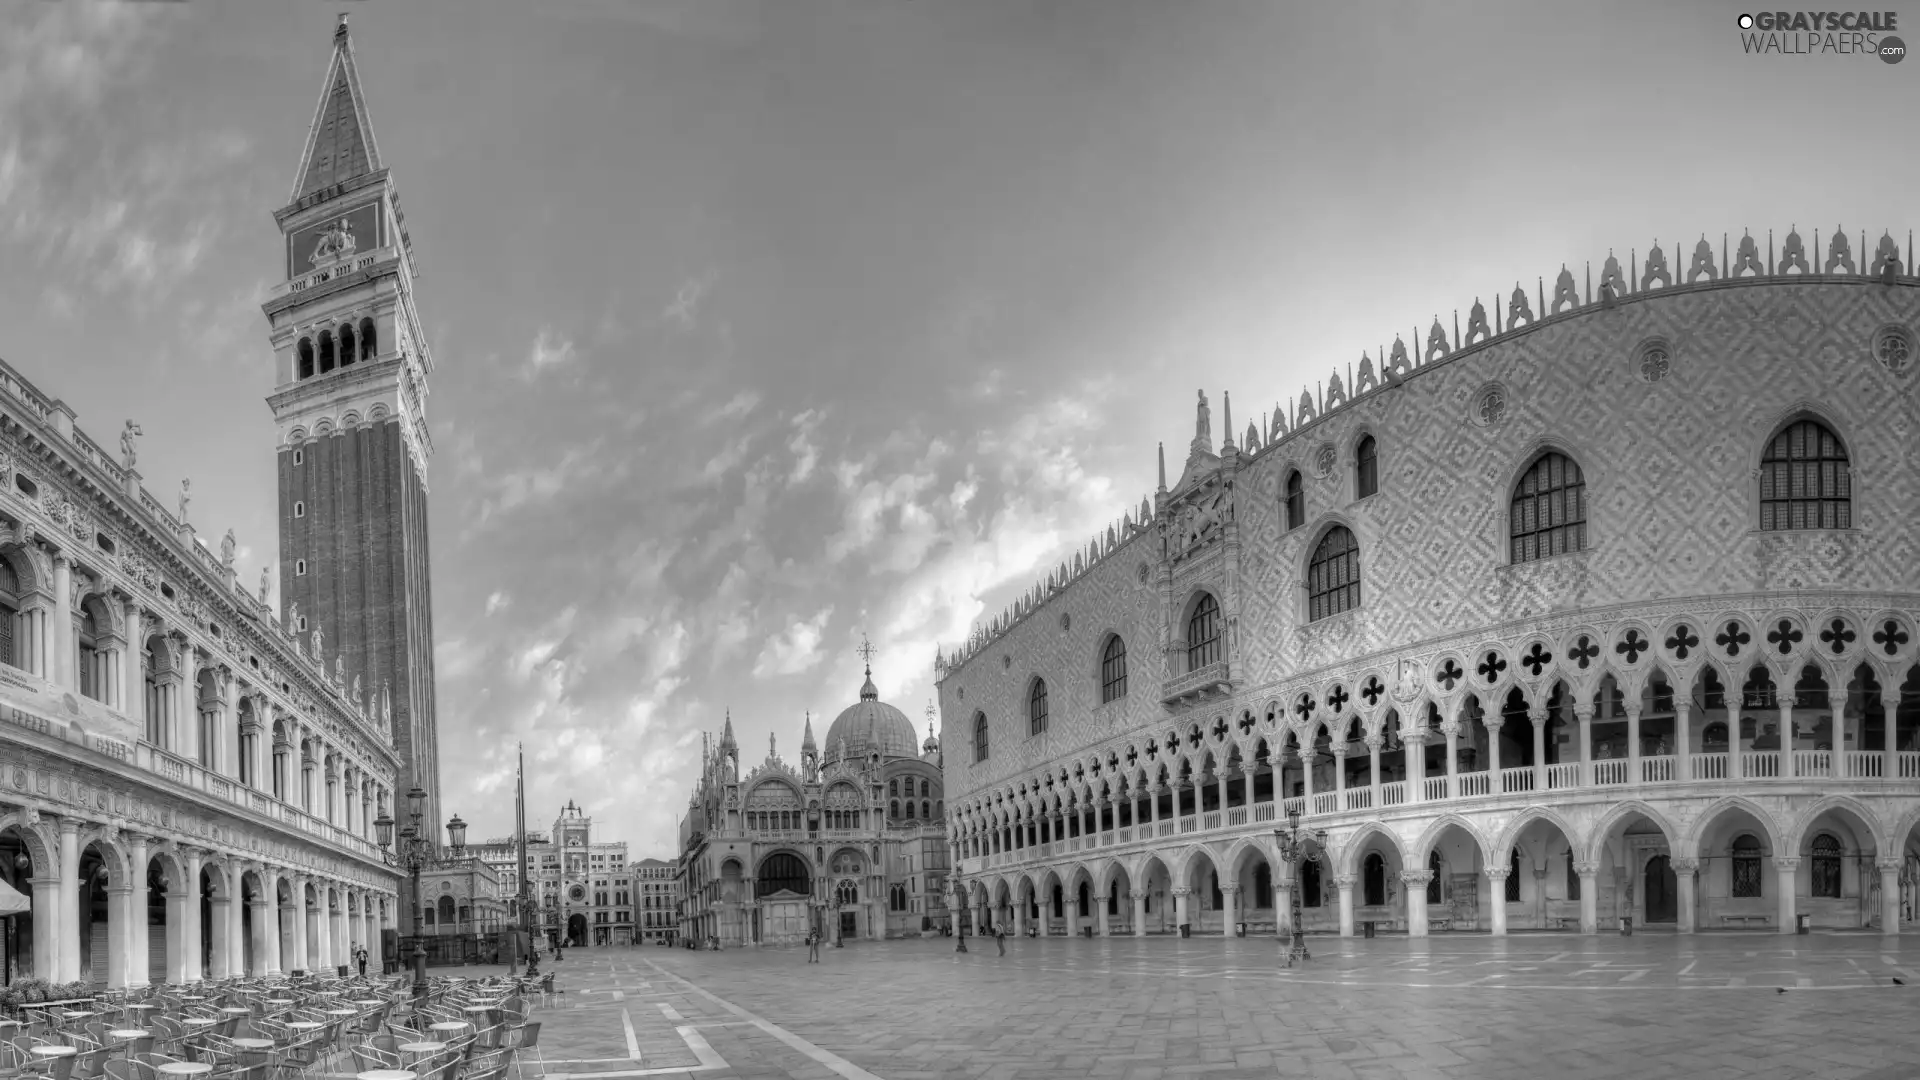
x,y
577,931
847,929
1374,882
1663,891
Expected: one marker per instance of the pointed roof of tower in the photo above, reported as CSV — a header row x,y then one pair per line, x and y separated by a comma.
x,y
806,742
340,144
726,733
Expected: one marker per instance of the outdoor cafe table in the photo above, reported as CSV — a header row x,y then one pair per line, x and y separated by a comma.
x,y
131,1035
53,1051
184,1068
386,1074
253,1047
423,1049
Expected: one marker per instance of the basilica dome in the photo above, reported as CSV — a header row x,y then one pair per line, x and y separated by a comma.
x,y
868,726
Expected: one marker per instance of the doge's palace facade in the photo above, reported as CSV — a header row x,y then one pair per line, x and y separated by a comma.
x,y
1602,609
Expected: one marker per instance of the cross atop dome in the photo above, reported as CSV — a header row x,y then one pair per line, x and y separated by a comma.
x,y
868,692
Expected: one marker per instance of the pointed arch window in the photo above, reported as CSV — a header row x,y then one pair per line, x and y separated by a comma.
x,y
1037,708
1434,870
1296,500
1203,633
1826,866
1746,866
1573,879
1333,577
1805,480
1310,884
305,349
1113,670
1513,877
979,737
1263,886
1549,512
368,342
1366,469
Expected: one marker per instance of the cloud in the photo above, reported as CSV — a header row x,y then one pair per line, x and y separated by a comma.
x,y
551,349
795,650
498,601
683,311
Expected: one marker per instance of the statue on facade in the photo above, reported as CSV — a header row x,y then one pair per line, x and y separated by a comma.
x,y
227,544
1203,423
318,640
266,582
340,669
335,241
293,615
186,488
127,454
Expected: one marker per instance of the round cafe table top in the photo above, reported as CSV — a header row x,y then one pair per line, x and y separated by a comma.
x,y
343,1012
53,1051
254,1044
143,1005
449,1025
412,1047
304,1025
279,1001
76,1014
481,1008
369,1001
248,990
386,1074
129,1033
193,997
202,1021
236,1010
184,1068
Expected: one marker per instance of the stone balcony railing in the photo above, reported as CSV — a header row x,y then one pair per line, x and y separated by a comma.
x,y
352,264
1202,682
1860,770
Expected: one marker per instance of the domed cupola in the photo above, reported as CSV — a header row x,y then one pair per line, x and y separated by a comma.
x,y
870,726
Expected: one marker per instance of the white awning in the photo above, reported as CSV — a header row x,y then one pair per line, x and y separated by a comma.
x,y
13,901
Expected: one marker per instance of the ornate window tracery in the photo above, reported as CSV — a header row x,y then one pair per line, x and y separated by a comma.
x,y
1037,708
1806,480
1826,866
1366,469
1333,577
1549,510
1203,633
1746,867
1113,670
979,737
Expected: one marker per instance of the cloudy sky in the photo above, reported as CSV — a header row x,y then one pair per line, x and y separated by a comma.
x,y
763,325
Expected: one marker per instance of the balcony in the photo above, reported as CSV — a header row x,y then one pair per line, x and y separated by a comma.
x,y
1197,685
1855,771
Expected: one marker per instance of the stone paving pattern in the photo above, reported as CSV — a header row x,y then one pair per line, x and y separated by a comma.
x,y
1707,1006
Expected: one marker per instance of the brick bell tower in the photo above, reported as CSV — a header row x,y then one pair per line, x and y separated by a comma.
x,y
349,400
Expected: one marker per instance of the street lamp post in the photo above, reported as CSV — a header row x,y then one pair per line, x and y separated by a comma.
x,y
1294,850
414,854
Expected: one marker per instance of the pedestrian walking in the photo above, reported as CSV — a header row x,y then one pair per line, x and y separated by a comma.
x,y
1000,938
360,957
813,946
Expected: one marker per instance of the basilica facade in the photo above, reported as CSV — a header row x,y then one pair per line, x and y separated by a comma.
x,y
850,843
1602,610
190,774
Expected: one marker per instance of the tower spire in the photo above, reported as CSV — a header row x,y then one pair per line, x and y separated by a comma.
x,y
340,145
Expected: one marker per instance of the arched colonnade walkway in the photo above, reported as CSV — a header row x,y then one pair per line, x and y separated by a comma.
x,y
123,908
1843,861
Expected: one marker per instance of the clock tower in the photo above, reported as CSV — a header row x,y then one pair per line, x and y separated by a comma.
x,y
349,406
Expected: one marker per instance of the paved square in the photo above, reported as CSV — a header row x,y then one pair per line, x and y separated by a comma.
x,y
1468,1006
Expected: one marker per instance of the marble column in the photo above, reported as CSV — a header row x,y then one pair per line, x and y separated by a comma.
x,y
176,930
1589,903
1373,771
62,644
1020,909
1583,713
1180,894
236,928
1100,916
1497,897
1684,870
1413,746
1787,767
1538,719
1889,757
46,922
1787,870
1493,722
1139,898
1344,882
1229,908
1889,884
1413,884
1452,732
1683,738
302,960
68,923
1632,709
119,935
139,948
195,951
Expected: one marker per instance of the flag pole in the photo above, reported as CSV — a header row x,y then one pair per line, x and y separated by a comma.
x,y
523,934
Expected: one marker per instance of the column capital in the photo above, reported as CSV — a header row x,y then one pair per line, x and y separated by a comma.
x,y
69,824
1889,864
1418,878
1374,742
1182,890
1583,711
1537,715
1786,863
1586,869
1684,865
1344,881
1230,888
1498,873
1137,894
